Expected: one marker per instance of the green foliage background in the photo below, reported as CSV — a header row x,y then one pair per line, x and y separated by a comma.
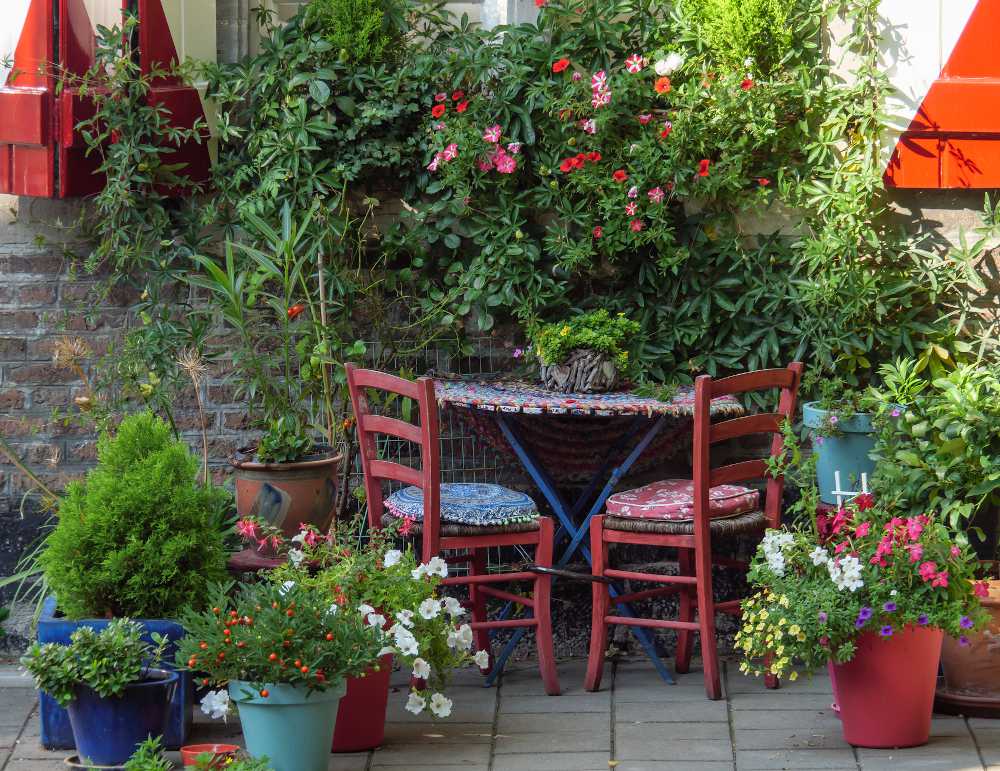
x,y
140,537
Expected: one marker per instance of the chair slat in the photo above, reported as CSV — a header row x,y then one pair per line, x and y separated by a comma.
x,y
370,378
738,472
387,469
380,424
753,381
764,422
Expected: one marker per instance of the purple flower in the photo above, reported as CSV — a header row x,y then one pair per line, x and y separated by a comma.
x,y
966,623
819,441
963,640
896,412
865,613
923,620
834,420
886,631
889,607
823,617
518,353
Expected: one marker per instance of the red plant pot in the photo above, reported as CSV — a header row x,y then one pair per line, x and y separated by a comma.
x,y
886,692
220,753
361,717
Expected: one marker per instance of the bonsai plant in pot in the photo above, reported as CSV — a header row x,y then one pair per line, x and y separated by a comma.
x,y
108,681
139,537
424,632
584,354
283,653
282,342
943,453
870,592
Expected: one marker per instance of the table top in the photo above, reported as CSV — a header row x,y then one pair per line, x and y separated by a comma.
x,y
529,399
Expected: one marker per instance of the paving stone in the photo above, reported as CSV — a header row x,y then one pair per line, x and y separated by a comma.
x,y
738,683
552,723
419,753
672,765
660,692
949,726
562,741
703,711
790,718
566,761
950,752
424,767
626,733
795,760
354,761
775,700
442,732
48,764
644,745
577,702
830,737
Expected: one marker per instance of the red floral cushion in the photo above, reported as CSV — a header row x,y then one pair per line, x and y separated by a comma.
x,y
673,499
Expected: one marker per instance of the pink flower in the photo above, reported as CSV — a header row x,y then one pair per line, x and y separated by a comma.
x,y
940,579
577,76
955,551
506,164
440,97
862,530
914,528
589,126
484,164
598,80
518,353
439,126
433,165
600,98
631,209
598,231
247,528
450,153
514,148
632,192
645,118
656,195
839,521
636,225
864,501
840,548
927,570
981,589
667,128
634,63
916,552
493,134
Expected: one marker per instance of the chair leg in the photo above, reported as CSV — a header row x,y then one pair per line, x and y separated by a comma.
x,y
543,610
601,604
685,636
706,622
478,602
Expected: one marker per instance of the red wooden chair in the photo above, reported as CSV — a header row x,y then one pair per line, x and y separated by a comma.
x,y
688,515
445,515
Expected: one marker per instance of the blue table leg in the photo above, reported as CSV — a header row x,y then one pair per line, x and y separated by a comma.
x,y
548,489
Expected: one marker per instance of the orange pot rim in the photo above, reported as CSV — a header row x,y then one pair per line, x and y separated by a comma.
x,y
251,465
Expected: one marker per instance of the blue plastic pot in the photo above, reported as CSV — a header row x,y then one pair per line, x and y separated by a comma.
x,y
108,729
847,453
57,733
292,728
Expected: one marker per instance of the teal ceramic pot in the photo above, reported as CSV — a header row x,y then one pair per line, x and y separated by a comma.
x,y
291,727
846,453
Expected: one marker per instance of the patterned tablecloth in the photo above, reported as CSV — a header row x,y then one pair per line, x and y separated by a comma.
x,y
570,433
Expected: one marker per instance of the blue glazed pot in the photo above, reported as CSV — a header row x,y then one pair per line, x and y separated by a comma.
x,y
847,453
108,729
57,733
292,728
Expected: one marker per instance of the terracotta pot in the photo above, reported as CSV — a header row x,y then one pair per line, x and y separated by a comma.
x,y
973,670
287,495
886,692
221,753
361,718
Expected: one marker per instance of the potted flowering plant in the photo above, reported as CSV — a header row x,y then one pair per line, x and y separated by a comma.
x,y
423,631
585,353
283,653
871,594
108,682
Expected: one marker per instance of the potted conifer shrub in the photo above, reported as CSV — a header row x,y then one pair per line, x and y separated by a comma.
x,y
139,537
109,682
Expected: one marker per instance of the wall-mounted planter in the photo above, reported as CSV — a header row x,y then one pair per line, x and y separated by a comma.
x,y
847,453
57,733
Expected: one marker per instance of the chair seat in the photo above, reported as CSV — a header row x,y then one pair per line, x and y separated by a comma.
x,y
740,524
464,503
673,500
452,529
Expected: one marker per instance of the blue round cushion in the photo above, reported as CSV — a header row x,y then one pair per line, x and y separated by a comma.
x,y
467,503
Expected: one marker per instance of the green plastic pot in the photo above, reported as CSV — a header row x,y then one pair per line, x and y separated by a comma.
x,y
291,727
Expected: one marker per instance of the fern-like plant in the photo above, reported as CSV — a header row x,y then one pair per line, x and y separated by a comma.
x,y
140,537
737,30
360,31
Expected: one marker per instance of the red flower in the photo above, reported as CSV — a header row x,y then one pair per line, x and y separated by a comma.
x,y
438,110
457,96
662,85
619,175
864,501
636,225
440,97
981,589
703,165
295,310
567,165
598,231
462,106
539,3
594,156
407,526
747,84
763,181
667,128
560,65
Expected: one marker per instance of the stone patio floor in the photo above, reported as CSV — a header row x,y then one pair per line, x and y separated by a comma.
x,y
636,723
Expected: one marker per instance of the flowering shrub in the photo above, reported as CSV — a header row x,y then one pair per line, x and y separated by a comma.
x,y
392,592
861,571
597,331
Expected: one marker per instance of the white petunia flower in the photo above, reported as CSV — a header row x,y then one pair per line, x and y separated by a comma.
x,y
299,539
376,620
429,608
437,567
415,703
846,573
286,587
405,618
454,607
418,572
461,638
364,609
386,651
441,705
819,556
406,643
421,669
295,556
216,704
333,609
671,63
482,659
392,557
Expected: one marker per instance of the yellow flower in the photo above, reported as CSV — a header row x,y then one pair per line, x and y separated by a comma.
x,y
801,637
793,675
764,615
783,621
783,602
779,650
624,354
564,331
794,630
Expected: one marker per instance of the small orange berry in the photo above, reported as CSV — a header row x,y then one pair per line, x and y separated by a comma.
x,y
203,646
329,635
265,693
304,670
273,657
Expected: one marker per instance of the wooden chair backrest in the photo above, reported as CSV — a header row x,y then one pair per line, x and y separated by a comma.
x,y
425,436
707,433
